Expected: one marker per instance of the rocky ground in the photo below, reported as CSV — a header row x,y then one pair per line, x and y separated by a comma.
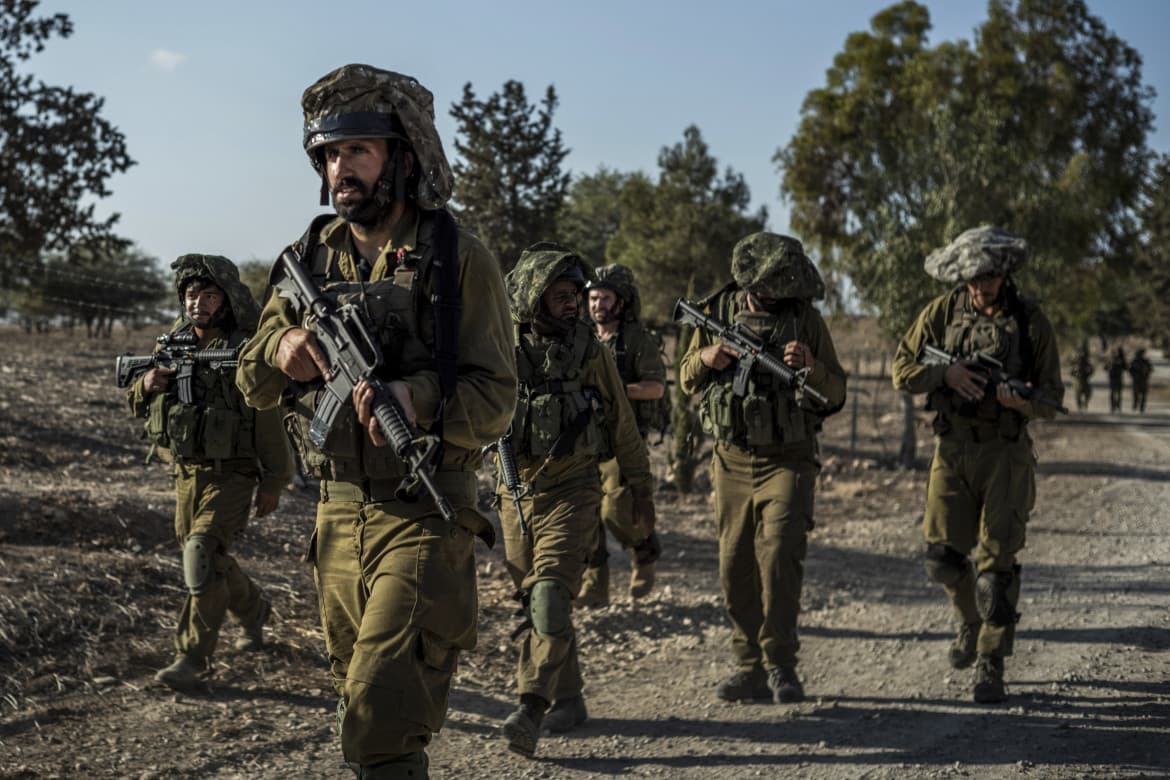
x,y
90,585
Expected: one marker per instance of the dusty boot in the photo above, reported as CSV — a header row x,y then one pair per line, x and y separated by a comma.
x,y
743,685
182,675
253,638
989,680
641,579
522,728
594,587
785,685
566,715
962,653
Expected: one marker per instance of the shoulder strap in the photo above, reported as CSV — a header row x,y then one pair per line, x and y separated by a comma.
x,y
620,354
446,302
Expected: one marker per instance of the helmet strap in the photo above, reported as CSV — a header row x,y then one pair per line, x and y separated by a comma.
x,y
324,189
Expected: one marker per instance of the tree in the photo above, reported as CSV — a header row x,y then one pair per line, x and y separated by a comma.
x,y
592,212
254,274
1039,127
679,232
56,151
509,187
1150,288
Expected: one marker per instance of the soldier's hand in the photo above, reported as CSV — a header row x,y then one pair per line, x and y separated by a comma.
x,y
300,357
649,550
644,514
157,379
798,355
1010,398
718,356
965,380
265,502
363,402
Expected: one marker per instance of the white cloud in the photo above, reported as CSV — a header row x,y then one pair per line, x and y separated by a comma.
x,y
166,61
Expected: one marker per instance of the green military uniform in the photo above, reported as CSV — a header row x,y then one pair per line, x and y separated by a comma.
x,y
1082,373
765,461
982,477
1116,367
572,411
221,451
396,583
1139,371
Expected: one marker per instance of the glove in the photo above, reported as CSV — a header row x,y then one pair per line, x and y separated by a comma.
x,y
643,513
649,550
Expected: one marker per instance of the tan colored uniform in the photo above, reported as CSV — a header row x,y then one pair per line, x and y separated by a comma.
x,y
213,496
764,489
562,508
396,584
982,477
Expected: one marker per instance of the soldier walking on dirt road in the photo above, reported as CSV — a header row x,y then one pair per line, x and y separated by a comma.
x,y
1140,369
982,478
1116,367
765,463
396,581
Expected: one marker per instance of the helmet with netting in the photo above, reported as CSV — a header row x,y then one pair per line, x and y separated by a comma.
x,y
223,273
773,266
977,252
620,280
538,267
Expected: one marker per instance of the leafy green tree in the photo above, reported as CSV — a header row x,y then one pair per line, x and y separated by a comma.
x,y
1038,127
509,186
56,150
1150,290
254,274
592,212
680,230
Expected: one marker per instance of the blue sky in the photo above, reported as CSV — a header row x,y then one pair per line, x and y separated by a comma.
x,y
207,93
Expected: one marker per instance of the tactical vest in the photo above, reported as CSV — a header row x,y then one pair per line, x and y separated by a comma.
x,y
217,426
556,412
394,310
649,415
765,413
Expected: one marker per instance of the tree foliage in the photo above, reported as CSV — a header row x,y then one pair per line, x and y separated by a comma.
x,y
1150,300
678,232
509,186
592,212
1038,127
56,151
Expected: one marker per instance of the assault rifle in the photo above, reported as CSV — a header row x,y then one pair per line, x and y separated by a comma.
x,y
178,351
354,354
511,475
751,348
991,368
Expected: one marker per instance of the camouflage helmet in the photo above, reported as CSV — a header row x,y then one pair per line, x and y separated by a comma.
x,y
774,266
538,267
224,274
620,280
978,251
360,101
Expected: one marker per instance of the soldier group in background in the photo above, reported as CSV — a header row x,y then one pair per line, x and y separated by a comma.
x,y
395,569
1082,372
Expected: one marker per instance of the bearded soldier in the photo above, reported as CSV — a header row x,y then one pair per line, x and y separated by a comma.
x,y
396,581
982,478
223,452
765,461
571,413
613,308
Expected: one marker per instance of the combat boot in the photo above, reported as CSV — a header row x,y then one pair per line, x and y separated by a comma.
x,y
744,685
522,727
409,766
253,638
962,652
641,579
785,685
989,680
565,715
594,587
182,675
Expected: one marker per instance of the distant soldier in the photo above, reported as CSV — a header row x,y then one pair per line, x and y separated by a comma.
x,y
764,467
227,459
1116,367
1139,372
613,308
982,478
571,413
1082,372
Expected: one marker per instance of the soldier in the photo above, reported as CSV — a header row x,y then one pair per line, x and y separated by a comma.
x,y
613,308
1082,372
572,411
396,583
765,461
1139,372
1116,367
982,478
222,453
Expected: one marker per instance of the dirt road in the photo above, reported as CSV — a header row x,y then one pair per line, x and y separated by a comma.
x,y
90,582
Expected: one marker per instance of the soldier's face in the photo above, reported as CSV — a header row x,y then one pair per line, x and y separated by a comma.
x,y
353,168
984,290
202,302
604,305
560,300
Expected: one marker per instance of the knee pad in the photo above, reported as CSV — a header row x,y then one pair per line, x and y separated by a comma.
x,y
199,563
550,605
996,596
945,565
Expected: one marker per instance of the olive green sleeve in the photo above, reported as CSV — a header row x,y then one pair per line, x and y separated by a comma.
x,y
908,374
138,398
1045,377
485,393
693,375
827,375
272,448
648,365
628,445
256,376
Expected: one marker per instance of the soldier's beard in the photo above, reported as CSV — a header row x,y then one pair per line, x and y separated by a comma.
x,y
370,209
605,316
